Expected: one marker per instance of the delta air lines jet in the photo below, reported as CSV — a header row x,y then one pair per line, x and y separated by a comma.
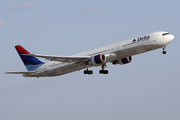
x,y
118,53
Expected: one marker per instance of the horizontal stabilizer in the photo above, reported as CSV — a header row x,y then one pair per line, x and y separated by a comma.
x,y
24,72
61,58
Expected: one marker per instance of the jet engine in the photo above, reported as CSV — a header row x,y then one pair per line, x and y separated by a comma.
x,y
123,61
98,59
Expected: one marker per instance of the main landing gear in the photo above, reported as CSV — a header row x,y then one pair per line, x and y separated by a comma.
x,y
164,47
89,72
103,71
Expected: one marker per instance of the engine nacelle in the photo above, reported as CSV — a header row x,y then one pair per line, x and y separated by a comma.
x,y
123,61
98,59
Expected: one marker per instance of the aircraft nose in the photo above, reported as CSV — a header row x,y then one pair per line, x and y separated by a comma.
x,y
168,38
171,37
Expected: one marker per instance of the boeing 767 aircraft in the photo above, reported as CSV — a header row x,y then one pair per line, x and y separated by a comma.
x,y
118,53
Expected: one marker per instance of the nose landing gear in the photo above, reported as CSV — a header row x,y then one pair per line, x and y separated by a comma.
x,y
164,52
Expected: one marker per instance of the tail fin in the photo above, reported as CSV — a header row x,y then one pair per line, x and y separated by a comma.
x,y
31,62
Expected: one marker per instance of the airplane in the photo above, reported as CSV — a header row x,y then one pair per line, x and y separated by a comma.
x,y
118,53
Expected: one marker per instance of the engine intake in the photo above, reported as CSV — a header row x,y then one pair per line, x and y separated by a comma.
x,y
98,59
123,61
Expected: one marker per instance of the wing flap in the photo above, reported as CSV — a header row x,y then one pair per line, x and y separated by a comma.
x,y
67,59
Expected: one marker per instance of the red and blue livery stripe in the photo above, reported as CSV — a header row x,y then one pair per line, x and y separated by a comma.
x,y
31,62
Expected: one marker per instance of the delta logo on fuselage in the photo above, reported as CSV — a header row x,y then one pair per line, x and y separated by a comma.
x,y
134,41
139,39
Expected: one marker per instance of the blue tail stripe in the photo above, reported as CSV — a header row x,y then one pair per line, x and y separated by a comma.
x,y
31,62
32,67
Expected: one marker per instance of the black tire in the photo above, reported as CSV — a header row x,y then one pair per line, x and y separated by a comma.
x,y
106,71
103,72
85,72
90,72
164,52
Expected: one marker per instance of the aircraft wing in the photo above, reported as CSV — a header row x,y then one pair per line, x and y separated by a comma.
x,y
24,72
67,59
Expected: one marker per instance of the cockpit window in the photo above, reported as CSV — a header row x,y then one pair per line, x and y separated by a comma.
x,y
165,34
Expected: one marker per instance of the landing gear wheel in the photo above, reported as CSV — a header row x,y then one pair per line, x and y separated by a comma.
x,y
85,72
103,72
164,47
89,72
164,52
106,71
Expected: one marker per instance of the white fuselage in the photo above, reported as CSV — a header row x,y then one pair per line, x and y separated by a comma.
x,y
113,52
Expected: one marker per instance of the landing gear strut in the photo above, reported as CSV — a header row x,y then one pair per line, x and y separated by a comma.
x,y
164,52
103,71
89,72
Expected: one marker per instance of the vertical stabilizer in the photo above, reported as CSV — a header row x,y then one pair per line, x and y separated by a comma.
x,y
31,62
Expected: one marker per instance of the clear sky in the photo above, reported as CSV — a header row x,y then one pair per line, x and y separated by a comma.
x,y
146,89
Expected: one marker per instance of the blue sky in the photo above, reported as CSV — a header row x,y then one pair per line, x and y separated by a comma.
x,y
147,88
